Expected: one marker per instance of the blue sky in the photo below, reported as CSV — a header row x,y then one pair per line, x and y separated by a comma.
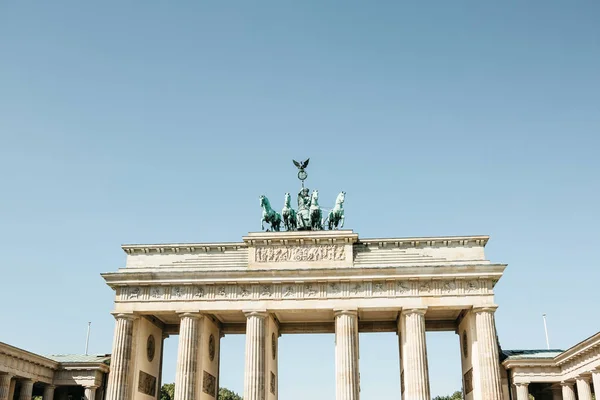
x,y
146,122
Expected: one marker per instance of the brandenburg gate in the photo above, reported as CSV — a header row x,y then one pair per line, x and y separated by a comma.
x,y
302,280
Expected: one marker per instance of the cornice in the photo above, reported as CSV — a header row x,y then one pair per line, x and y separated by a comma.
x,y
27,356
169,275
305,238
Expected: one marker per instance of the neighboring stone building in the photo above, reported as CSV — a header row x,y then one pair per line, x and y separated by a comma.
x,y
555,374
24,375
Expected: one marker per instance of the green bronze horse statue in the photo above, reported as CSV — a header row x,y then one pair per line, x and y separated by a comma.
x,y
288,214
316,224
269,215
336,215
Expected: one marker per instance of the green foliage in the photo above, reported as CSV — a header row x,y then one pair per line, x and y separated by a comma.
x,y
454,396
167,392
226,394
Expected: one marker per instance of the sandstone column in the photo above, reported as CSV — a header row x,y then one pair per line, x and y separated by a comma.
x,y
49,392
487,346
596,379
90,392
5,380
414,354
522,391
568,391
584,391
118,379
26,389
187,357
346,355
254,374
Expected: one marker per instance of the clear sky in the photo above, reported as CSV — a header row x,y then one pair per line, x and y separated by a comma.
x,y
148,122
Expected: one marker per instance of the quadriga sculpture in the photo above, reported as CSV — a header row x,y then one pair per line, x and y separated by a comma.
x,y
269,215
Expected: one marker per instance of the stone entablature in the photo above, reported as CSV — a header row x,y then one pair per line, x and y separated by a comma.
x,y
23,364
580,360
303,249
28,365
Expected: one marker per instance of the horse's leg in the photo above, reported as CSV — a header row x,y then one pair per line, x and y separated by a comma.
x,y
341,221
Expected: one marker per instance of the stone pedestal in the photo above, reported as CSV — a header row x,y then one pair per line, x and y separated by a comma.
x,y
522,391
49,392
90,392
584,391
413,354
187,357
254,376
568,391
487,345
346,355
26,389
5,380
118,379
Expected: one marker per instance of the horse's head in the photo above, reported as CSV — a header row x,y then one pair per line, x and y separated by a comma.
x,y
314,198
286,202
263,200
341,197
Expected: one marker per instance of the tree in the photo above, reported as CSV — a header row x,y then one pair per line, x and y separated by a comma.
x,y
226,394
167,392
454,396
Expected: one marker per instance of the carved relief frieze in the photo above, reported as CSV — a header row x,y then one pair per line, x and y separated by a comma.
x,y
300,253
306,290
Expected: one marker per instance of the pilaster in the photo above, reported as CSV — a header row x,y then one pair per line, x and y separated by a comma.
x,y
489,360
413,354
346,355
120,368
596,380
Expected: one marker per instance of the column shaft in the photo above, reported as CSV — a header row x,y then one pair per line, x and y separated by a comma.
x,y
5,380
522,391
489,359
584,391
346,356
568,391
414,355
187,357
49,392
26,389
118,379
596,380
254,374
90,392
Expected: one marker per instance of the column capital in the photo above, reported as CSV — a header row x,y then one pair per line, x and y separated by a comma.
x,y
7,374
183,314
345,311
91,387
567,383
27,380
49,386
256,313
488,308
585,378
421,310
521,384
127,316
